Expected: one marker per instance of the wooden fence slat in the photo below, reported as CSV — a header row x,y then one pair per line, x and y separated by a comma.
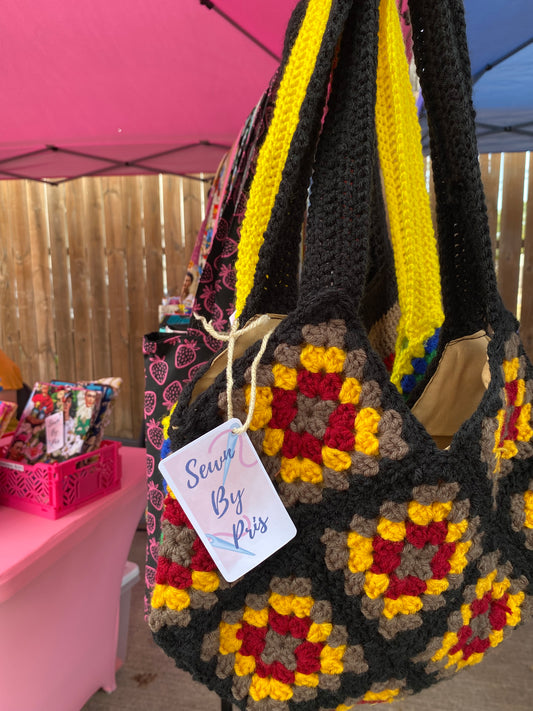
x,y
9,322
153,251
27,307
526,316
78,245
41,281
118,303
63,323
176,257
510,242
192,205
132,220
490,175
93,219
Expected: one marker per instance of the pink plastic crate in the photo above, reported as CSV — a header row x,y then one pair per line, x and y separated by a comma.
x,y
53,490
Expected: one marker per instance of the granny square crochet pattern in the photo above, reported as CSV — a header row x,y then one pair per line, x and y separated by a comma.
x,y
282,646
317,420
402,562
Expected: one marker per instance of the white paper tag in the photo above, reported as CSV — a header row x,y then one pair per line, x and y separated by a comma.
x,y
12,465
55,433
228,497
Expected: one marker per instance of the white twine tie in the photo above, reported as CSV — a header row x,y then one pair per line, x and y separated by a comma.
x,y
230,338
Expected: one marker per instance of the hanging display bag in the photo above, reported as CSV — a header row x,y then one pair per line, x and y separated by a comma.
x,y
172,359
405,548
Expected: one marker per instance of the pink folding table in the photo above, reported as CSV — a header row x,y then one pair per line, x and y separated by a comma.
x,y
60,585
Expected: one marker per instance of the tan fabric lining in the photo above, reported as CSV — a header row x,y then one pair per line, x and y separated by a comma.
x,y
451,396
456,388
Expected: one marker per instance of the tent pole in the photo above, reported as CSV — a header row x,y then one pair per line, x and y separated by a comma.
x,y
211,6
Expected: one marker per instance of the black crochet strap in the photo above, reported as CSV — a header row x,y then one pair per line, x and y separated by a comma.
x,y
275,287
470,296
340,205
339,214
276,275
275,283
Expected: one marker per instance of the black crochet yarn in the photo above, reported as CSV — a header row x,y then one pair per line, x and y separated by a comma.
x,y
381,291
339,214
469,289
468,281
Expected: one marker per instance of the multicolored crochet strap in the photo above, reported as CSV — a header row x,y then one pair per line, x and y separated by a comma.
x,y
410,562
401,159
415,247
311,48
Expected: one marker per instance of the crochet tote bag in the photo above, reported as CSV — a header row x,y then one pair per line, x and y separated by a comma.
x,y
413,553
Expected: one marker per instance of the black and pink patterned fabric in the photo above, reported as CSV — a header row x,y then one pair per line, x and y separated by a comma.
x,y
172,360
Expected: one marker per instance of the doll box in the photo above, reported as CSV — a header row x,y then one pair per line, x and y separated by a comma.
x,y
53,490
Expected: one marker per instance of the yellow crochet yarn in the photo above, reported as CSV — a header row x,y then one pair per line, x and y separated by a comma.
x,y
273,153
402,164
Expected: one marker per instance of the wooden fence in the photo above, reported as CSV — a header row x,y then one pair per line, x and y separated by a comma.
x,y
83,267
508,182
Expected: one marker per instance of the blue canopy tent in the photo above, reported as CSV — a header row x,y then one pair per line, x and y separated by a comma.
x,y
500,40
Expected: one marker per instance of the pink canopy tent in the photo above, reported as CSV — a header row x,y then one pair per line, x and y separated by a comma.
x,y
131,86
163,86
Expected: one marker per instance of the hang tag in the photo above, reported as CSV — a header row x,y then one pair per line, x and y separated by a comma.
x,y
55,434
228,497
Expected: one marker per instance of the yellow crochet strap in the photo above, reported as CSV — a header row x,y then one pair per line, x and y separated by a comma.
x,y
273,153
402,164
